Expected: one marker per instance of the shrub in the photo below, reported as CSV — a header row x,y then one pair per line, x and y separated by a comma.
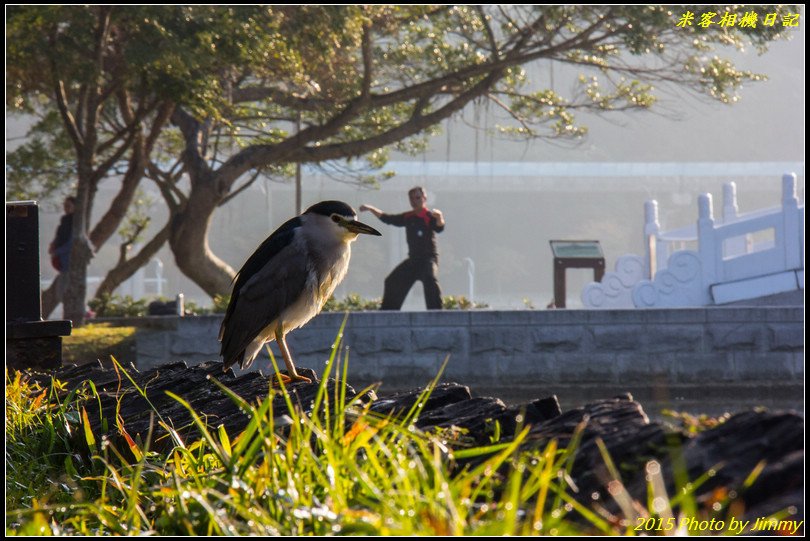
x,y
460,302
108,305
352,303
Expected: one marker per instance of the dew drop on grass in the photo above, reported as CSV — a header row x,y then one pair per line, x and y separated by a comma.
x,y
653,468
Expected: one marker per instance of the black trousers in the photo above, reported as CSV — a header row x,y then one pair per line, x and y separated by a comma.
x,y
402,278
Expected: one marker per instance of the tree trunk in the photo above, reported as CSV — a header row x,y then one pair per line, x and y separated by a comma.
x,y
126,268
111,221
75,296
189,240
141,149
51,297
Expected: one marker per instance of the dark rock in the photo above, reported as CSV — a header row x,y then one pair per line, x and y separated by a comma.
x,y
143,404
443,394
451,404
783,477
735,448
732,451
477,415
620,423
544,409
771,441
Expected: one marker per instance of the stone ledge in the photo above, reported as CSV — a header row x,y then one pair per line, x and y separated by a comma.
x,y
539,347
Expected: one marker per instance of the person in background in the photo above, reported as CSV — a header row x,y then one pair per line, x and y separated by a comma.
x,y
421,225
59,249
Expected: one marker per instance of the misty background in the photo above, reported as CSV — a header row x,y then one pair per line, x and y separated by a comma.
x,y
503,201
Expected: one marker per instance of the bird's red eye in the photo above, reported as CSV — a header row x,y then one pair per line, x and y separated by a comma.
x,y
336,218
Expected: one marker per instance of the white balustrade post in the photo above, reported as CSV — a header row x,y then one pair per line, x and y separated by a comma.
x,y
654,256
790,210
707,243
158,276
735,246
730,209
471,277
138,285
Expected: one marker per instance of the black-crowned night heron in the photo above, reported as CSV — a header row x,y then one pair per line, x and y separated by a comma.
x,y
287,280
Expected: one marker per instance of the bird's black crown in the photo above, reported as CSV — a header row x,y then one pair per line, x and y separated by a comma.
x,y
328,208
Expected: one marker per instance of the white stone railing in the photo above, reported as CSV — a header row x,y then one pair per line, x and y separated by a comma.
x,y
616,288
732,262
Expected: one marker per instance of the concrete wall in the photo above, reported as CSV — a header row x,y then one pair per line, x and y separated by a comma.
x,y
529,353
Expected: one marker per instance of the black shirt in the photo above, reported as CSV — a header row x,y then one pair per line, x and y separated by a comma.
x,y
64,231
420,230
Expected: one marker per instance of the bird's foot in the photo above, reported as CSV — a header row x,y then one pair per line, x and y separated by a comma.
x,y
298,378
281,379
287,380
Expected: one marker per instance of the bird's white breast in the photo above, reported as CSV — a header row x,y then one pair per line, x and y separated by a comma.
x,y
326,268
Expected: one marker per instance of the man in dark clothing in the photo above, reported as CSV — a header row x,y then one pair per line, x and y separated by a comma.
x,y
59,249
421,226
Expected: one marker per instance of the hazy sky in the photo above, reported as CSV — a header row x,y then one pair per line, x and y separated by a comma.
x,y
767,124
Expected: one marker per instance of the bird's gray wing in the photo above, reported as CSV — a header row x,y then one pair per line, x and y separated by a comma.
x,y
261,299
267,250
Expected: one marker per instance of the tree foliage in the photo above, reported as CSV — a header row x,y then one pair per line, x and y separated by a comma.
x,y
251,90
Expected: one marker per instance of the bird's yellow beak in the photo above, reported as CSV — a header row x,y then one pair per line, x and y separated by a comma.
x,y
359,227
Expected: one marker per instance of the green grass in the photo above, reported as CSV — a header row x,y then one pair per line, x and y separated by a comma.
x,y
340,470
98,341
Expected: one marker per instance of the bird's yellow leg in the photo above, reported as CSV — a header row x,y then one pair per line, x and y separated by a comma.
x,y
285,352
